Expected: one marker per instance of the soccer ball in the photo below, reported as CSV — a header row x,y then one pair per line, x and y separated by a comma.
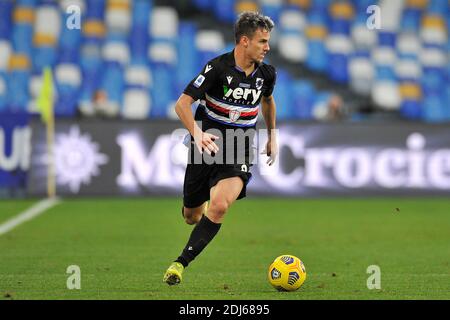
x,y
287,273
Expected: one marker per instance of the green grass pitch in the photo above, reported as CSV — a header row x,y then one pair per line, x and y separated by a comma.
x,y
123,247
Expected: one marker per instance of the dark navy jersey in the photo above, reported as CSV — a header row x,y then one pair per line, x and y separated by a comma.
x,y
229,98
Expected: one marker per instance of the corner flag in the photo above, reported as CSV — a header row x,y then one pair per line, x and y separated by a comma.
x,y
45,107
45,99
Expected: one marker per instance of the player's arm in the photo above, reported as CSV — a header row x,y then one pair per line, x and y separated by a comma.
x,y
203,140
269,113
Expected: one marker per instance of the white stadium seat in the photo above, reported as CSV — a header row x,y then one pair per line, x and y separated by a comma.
x,y
163,52
409,69
163,23
65,4
385,56
409,43
137,104
5,54
138,75
432,57
116,51
48,21
386,95
292,20
293,47
210,40
68,74
363,37
362,74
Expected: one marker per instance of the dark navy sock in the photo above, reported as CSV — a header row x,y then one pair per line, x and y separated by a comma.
x,y
201,235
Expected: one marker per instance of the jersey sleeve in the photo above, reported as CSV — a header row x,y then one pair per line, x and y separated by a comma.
x,y
271,83
203,82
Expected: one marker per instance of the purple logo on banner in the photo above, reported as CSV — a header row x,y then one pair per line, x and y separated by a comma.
x,y
15,138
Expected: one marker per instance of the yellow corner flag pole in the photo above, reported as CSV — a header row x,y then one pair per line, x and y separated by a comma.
x,y
45,106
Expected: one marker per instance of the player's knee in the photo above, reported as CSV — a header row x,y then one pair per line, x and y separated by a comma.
x,y
219,208
192,217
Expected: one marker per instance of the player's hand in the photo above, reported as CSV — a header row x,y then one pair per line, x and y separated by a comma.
x,y
271,150
205,142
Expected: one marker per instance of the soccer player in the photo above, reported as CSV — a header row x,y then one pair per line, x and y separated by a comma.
x,y
230,87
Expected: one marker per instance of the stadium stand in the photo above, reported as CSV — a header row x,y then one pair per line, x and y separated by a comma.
x,y
132,59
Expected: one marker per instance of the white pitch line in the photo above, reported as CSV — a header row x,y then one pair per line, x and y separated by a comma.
x,y
28,214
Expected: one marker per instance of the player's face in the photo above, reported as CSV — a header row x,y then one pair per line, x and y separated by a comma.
x,y
258,45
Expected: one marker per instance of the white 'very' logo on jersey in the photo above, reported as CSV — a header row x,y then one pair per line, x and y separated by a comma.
x,y
208,68
229,78
240,93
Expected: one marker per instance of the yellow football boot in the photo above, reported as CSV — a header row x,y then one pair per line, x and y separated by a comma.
x,y
173,274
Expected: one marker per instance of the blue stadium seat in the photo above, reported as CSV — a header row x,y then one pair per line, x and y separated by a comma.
x,y
411,109
283,95
411,19
434,108
112,81
95,9
303,98
6,7
272,9
433,80
141,13
224,10
18,95
438,6
22,36
188,57
139,41
43,57
163,89
317,59
203,4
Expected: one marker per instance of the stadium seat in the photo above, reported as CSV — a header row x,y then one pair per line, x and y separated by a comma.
x,y
434,108
116,51
339,49
293,47
5,54
68,82
163,52
6,9
2,94
163,86
362,74
136,104
95,10
386,95
272,8
112,83
303,95
209,43
163,23
138,44
141,12
17,82
188,59
283,96
118,16
224,10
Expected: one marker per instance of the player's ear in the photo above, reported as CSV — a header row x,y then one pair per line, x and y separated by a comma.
x,y
245,41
